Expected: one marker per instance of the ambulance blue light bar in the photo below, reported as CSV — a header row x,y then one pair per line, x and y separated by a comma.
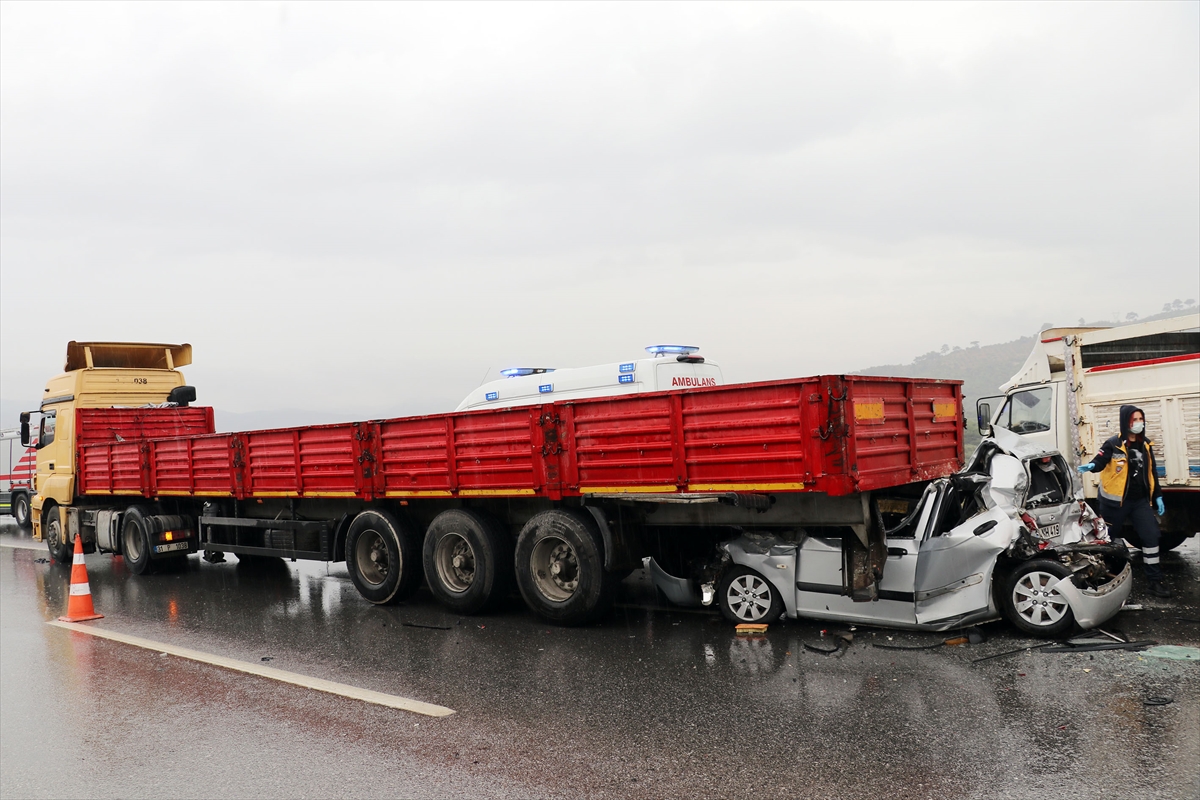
x,y
625,379
516,372
664,349
630,367
546,388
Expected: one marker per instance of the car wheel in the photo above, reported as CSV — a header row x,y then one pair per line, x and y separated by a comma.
x,y
381,558
20,510
468,561
560,568
1031,605
745,596
135,541
56,539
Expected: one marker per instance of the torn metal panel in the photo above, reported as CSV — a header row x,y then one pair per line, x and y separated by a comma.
x,y
954,569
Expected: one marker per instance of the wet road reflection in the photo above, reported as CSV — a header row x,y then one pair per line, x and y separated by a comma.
x,y
650,702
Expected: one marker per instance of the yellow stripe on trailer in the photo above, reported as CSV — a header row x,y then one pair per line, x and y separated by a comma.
x,y
671,488
745,487
429,493
496,492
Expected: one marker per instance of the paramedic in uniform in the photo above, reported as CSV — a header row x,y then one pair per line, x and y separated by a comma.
x,y
1128,487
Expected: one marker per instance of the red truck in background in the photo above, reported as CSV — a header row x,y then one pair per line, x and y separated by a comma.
x,y
563,498
18,463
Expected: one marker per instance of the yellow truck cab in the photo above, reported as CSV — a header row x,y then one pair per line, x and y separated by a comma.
x,y
96,375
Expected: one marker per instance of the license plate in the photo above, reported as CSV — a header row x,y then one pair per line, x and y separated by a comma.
x,y
1048,532
167,548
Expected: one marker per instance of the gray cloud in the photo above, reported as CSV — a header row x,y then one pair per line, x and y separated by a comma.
x,y
371,205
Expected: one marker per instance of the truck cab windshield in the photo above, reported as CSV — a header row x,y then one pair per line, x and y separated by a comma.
x,y
1028,411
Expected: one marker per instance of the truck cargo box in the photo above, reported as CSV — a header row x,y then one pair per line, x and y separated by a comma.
x,y
831,434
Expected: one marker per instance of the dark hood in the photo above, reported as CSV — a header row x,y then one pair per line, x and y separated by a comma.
x,y
1126,413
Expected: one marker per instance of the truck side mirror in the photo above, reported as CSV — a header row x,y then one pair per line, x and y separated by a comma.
x,y
182,395
983,418
24,429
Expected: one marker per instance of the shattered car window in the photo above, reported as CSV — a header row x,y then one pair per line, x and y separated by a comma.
x,y
1048,483
1028,411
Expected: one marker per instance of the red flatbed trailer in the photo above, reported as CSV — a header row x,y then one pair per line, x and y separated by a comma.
x,y
562,498
834,435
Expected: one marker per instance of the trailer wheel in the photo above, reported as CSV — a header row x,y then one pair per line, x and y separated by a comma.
x,y
135,541
1168,541
381,557
560,568
1033,608
746,596
468,561
20,510
52,532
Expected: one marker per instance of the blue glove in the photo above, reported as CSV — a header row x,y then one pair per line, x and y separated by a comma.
x,y
1088,467
1158,503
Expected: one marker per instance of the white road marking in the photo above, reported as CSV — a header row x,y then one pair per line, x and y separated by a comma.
x,y
250,668
23,545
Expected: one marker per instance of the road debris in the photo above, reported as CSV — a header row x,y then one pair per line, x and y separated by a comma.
x,y
1174,652
1090,647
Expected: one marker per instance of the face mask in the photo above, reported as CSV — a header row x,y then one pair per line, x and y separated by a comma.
x,y
1137,427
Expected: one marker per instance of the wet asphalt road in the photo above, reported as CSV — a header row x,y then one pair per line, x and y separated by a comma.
x,y
650,703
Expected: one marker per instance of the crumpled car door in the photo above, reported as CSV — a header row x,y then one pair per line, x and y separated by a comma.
x,y
954,570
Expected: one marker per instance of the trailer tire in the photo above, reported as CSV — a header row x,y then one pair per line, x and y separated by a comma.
x,y
560,568
382,558
747,597
56,539
1168,541
135,541
1028,606
468,561
20,510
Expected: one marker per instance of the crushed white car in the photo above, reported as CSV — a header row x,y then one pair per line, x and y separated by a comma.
x,y
1009,535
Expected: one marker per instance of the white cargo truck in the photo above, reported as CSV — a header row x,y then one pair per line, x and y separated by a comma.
x,y
1069,392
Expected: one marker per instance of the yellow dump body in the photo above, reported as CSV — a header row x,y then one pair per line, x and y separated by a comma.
x,y
96,375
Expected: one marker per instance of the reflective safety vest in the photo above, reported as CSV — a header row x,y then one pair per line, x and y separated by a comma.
x,y
1115,475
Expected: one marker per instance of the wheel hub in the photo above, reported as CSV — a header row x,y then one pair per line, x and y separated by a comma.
x,y
749,597
1035,602
454,559
555,568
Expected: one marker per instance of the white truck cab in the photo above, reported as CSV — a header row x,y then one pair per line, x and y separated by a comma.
x,y
668,367
1068,394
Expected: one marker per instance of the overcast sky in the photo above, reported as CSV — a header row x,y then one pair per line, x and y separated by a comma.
x,y
361,209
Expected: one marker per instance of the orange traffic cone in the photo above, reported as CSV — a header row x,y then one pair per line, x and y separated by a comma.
x,y
79,606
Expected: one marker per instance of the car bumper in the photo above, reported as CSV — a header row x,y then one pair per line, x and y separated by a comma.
x,y
1091,607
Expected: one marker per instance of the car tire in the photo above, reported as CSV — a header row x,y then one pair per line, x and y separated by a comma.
x,y
382,558
135,541
52,532
1029,607
560,568
468,561
745,596
20,511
